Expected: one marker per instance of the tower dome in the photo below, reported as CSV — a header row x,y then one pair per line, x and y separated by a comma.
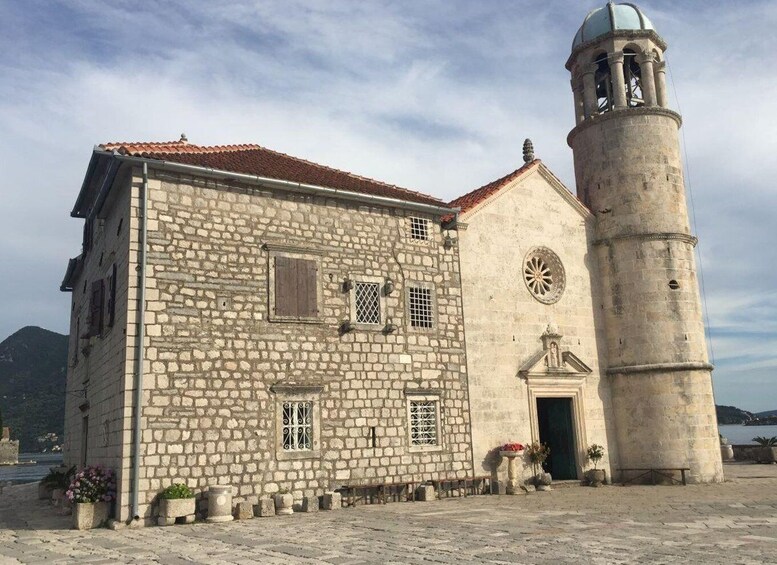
x,y
611,17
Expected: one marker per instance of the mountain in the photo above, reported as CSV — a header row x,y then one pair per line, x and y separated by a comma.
x,y
732,415
766,414
33,371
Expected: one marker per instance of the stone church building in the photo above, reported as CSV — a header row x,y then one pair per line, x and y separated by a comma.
x,y
244,317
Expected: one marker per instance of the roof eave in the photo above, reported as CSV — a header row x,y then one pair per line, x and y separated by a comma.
x,y
441,209
77,212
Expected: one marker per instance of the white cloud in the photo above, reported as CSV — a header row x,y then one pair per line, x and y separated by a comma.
x,y
436,96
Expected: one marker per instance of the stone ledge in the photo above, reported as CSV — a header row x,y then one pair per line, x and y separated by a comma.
x,y
660,367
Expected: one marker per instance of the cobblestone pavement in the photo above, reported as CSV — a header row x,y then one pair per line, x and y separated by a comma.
x,y
735,522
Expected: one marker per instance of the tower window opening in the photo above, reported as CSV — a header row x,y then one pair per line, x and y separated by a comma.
x,y
603,80
633,79
674,285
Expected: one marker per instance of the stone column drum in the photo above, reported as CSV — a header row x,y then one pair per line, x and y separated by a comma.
x,y
220,503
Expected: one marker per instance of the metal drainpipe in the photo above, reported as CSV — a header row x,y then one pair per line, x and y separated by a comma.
x,y
457,249
140,348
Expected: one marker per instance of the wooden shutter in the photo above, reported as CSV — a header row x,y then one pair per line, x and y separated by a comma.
x,y
307,288
96,308
296,287
285,287
111,306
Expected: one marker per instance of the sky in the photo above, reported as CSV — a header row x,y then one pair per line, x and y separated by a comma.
x,y
437,96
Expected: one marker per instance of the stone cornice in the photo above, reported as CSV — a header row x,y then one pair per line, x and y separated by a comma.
x,y
292,247
296,388
620,112
692,240
617,34
423,391
660,368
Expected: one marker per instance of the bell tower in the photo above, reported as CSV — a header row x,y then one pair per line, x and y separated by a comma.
x,y
628,171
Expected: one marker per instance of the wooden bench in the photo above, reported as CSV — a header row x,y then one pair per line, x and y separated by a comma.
x,y
382,492
480,484
653,472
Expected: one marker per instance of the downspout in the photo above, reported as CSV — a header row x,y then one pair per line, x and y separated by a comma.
x,y
466,355
140,347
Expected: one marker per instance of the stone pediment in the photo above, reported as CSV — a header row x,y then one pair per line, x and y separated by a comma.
x,y
540,363
553,361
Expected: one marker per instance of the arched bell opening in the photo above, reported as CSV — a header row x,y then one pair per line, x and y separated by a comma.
x,y
632,75
603,80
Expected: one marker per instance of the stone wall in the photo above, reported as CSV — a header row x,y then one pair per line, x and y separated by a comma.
x,y
9,449
95,406
757,453
629,171
504,322
220,365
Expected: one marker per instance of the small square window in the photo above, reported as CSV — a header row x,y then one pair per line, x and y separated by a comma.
x,y
367,298
419,228
421,315
423,422
297,426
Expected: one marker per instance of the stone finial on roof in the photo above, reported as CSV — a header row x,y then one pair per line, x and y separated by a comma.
x,y
528,151
184,139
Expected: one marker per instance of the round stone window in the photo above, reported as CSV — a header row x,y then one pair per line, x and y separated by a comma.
x,y
543,274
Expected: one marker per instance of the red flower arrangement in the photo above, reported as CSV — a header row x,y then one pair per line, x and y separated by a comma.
x,y
512,447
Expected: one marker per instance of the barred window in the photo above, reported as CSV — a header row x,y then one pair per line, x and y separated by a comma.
x,y
423,422
367,297
420,307
419,228
297,426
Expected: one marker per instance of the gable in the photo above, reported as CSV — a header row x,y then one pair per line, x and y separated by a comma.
x,y
533,176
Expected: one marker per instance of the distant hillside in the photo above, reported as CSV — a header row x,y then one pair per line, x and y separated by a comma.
x,y
732,415
766,414
33,369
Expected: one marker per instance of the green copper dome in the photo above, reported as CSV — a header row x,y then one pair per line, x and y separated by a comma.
x,y
611,17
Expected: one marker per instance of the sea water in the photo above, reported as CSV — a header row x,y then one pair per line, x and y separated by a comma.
x,y
743,435
30,473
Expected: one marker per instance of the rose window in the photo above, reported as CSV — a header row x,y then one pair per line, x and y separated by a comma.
x,y
543,274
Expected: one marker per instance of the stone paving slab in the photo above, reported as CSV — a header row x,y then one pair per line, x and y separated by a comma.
x,y
735,522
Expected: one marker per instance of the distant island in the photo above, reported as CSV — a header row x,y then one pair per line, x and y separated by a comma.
x,y
732,415
33,371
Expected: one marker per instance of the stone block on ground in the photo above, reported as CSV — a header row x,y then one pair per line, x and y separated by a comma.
x,y
309,504
265,508
425,493
332,500
244,511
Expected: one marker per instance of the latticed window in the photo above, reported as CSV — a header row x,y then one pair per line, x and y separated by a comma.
x,y
423,422
297,426
367,296
420,307
419,228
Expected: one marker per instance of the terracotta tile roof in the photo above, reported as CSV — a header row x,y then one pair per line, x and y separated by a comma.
x,y
257,160
472,199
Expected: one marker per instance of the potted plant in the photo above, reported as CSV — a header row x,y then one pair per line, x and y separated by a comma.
x,y
91,492
511,451
537,453
284,502
595,476
57,480
176,501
